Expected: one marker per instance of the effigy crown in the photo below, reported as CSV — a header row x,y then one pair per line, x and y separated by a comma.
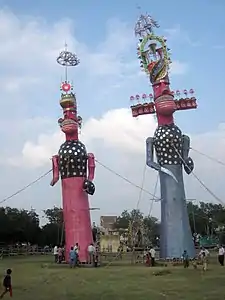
x,y
67,59
152,50
68,98
155,59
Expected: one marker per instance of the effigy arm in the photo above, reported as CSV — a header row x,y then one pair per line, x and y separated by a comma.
x,y
88,185
150,159
187,161
55,169
150,155
91,166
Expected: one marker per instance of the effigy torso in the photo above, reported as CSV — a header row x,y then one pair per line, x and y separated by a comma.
x,y
167,142
72,159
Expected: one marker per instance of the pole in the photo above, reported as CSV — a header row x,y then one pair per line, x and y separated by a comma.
x,y
193,217
66,71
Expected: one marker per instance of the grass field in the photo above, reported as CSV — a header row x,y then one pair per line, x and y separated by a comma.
x,y
38,278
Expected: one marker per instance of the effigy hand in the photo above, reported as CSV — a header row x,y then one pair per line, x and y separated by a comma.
x,y
162,169
188,165
55,170
88,187
150,159
154,165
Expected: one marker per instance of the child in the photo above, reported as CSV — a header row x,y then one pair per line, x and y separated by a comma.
x,y
185,259
96,260
147,262
204,261
7,284
60,254
76,249
72,258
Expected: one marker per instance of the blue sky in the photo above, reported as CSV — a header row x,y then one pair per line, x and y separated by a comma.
x,y
202,47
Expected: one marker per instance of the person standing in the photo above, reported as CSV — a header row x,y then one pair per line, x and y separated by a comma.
x,y
204,254
76,249
7,284
73,257
204,261
60,253
91,253
55,253
203,250
185,259
152,255
221,255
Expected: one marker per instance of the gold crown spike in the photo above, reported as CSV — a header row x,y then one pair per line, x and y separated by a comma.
x,y
66,87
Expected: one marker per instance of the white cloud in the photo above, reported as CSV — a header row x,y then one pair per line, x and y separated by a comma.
x,y
118,141
108,74
178,68
116,129
178,34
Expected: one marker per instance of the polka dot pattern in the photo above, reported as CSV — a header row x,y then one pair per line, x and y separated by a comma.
x,y
164,137
72,159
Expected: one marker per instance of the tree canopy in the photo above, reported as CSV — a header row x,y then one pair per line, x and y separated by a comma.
x,y
23,226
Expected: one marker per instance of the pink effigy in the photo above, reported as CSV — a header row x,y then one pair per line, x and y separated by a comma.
x,y
76,168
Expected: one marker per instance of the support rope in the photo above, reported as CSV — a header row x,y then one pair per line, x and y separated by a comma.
x,y
197,178
25,187
208,156
154,194
124,178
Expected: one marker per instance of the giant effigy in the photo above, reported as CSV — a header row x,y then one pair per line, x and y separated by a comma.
x,y
168,143
76,168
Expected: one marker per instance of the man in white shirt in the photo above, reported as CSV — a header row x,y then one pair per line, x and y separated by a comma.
x,y
152,255
76,249
91,253
55,253
205,251
221,255
204,255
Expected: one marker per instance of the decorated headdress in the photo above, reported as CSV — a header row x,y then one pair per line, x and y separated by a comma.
x,y
152,50
68,98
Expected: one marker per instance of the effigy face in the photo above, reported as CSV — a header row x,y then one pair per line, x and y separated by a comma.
x,y
164,138
165,105
69,126
72,159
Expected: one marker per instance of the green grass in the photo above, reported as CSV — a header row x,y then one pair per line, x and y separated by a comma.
x,y
38,278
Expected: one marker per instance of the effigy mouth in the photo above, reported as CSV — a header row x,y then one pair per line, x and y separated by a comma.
x,y
164,98
69,126
66,122
165,105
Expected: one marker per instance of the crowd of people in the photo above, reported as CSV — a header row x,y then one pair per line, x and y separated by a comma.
x,y
150,256
204,255
150,253
59,255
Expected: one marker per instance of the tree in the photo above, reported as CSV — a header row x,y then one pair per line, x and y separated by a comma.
x,y
54,215
147,225
123,220
205,218
152,230
19,225
53,232
22,226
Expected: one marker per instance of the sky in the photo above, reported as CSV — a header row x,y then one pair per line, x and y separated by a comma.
x,y
102,35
